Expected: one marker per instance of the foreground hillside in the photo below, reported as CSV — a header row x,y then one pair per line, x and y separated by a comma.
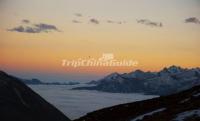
x,y
183,106
167,81
19,103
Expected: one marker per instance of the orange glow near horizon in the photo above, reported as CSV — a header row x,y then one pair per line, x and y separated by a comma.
x,y
176,43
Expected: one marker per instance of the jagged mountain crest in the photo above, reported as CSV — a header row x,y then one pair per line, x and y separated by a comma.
x,y
112,76
142,74
171,70
166,81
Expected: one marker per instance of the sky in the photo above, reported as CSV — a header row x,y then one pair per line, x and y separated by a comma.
x,y
36,35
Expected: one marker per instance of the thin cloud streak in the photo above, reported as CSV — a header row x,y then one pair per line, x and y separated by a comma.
x,y
115,22
76,21
150,23
25,21
78,14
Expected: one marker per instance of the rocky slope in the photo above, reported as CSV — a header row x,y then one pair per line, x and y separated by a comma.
x,y
183,106
19,103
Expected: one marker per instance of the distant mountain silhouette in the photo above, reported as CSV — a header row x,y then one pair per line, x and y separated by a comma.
x,y
19,103
183,106
167,81
38,82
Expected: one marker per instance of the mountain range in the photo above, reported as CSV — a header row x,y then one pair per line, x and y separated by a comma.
x,y
20,103
166,81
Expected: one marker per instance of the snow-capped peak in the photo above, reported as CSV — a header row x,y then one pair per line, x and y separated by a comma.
x,y
112,76
171,70
175,69
140,74
136,73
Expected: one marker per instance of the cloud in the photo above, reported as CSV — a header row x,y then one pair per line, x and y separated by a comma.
x,y
18,29
24,29
76,21
192,20
34,28
94,21
78,14
25,21
121,22
110,21
150,23
115,22
46,27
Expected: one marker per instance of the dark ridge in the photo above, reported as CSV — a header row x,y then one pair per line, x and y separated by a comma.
x,y
19,103
172,104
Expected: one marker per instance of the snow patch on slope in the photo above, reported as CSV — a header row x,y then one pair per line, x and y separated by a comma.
x,y
148,114
182,116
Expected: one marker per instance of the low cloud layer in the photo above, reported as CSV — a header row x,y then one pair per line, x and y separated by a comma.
x,y
149,23
192,20
34,28
94,21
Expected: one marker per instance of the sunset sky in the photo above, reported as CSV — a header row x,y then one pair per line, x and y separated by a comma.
x,y
36,35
